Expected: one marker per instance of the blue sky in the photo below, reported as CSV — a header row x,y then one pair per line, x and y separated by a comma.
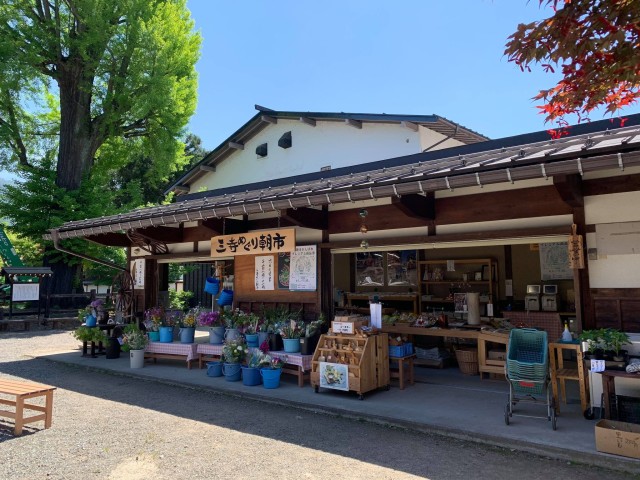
x,y
366,56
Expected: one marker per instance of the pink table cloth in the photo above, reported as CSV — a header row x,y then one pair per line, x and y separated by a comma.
x,y
303,361
188,349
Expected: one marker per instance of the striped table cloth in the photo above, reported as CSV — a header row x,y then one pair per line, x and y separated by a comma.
x,y
188,349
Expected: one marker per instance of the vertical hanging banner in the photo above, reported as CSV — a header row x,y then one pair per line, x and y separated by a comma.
x,y
138,273
303,268
264,272
576,251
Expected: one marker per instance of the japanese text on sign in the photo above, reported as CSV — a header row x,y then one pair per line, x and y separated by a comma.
x,y
273,241
264,275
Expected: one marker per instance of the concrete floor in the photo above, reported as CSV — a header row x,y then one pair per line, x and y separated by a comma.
x,y
442,400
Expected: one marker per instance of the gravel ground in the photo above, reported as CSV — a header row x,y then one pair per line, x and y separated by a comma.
x,y
109,426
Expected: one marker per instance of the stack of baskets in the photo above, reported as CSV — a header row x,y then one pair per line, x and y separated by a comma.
x,y
527,360
467,360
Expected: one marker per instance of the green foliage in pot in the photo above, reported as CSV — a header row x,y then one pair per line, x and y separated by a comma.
x,y
614,339
179,300
133,338
90,334
592,338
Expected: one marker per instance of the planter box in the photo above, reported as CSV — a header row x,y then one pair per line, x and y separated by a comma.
x,y
618,438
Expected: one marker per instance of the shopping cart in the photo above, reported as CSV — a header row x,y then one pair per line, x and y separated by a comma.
x,y
527,371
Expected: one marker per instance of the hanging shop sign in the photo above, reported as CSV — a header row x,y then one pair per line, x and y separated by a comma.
x,y
137,272
576,250
267,241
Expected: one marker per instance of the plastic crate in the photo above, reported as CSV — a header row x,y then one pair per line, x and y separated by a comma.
x,y
408,348
627,409
400,350
528,354
527,387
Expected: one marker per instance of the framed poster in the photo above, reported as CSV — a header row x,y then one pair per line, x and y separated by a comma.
x,y
303,268
22,292
284,270
334,376
554,261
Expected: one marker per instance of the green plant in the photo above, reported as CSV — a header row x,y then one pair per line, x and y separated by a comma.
x,y
133,339
90,334
272,363
291,329
179,300
310,328
592,338
234,318
614,339
234,351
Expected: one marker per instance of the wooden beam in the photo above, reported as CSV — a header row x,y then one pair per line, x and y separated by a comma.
x,y
110,239
417,206
308,121
605,186
269,119
353,123
207,168
236,145
307,217
410,125
229,226
182,188
569,188
162,234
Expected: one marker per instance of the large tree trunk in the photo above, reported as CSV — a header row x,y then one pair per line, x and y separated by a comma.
x,y
78,145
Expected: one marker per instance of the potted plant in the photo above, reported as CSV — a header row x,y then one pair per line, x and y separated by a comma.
x,y
234,320
251,373
233,352
250,330
153,321
187,325
92,335
271,371
134,341
591,340
291,333
86,316
212,321
311,335
263,330
613,341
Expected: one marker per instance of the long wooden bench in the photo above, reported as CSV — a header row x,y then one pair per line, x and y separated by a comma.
x,y
22,391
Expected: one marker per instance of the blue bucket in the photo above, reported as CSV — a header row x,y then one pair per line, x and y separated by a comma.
x,y
153,336
166,334
212,285
231,372
270,377
225,298
252,339
90,321
214,369
251,376
187,335
291,345
216,335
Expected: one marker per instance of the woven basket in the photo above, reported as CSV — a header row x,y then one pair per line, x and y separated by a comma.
x,y
467,360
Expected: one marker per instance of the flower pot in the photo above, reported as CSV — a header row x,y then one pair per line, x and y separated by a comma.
x,y
251,376
275,342
231,371
166,334
136,358
214,369
153,336
270,377
252,340
113,349
187,334
216,335
291,345
231,334
308,344
225,298
262,337
90,321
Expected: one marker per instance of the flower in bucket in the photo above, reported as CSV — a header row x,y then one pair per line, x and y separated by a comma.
x,y
250,323
292,329
272,363
234,318
189,319
235,351
209,319
256,359
133,339
153,319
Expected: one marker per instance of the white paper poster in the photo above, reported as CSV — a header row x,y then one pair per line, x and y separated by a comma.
x,y
138,273
264,272
23,292
554,261
302,273
376,315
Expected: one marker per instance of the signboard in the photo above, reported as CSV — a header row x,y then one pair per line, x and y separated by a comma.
x,y
554,261
264,272
138,273
334,375
342,327
302,272
284,270
23,292
268,241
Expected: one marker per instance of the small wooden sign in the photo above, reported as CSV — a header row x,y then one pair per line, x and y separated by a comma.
x,y
252,243
576,250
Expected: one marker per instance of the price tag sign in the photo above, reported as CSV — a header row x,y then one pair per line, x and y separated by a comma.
x,y
342,327
597,365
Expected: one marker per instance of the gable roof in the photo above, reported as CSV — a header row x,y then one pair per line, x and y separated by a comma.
x,y
266,116
588,147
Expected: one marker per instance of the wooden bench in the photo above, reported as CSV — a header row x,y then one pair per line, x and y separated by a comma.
x,y
23,391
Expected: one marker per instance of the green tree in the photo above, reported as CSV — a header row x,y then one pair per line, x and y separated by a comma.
x,y
594,44
88,80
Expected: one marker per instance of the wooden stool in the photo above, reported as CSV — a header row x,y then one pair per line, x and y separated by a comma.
x,y
404,363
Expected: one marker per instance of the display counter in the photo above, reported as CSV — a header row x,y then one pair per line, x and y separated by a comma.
x,y
398,301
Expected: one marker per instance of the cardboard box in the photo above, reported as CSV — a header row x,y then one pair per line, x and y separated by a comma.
x,y
618,438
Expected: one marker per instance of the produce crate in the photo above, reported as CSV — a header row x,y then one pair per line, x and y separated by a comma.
x,y
400,350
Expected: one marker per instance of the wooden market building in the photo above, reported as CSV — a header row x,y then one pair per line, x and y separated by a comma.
x,y
384,198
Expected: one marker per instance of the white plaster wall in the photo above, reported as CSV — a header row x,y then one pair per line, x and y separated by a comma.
x,y
333,144
428,138
613,271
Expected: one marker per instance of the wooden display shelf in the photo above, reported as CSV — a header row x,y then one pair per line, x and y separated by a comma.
x,y
366,358
559,373
489,365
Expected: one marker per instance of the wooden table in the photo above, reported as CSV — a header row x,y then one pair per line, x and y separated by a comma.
x,y
383,297
609,386
467,333
559,373
404,363
22,391
490,365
